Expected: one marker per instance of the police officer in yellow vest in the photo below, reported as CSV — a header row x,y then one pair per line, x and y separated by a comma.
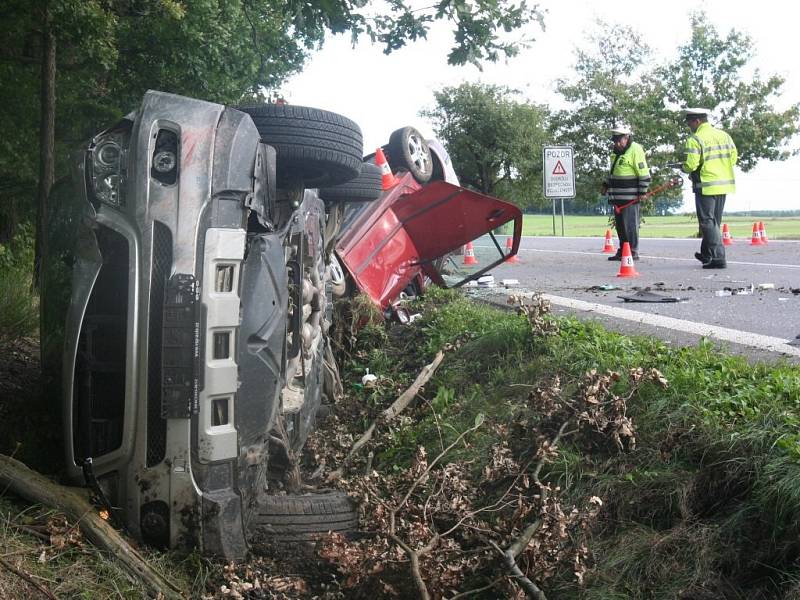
x,y
628,180
710,156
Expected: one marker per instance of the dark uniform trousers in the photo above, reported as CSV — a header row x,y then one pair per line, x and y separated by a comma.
x,y
709,217
627,226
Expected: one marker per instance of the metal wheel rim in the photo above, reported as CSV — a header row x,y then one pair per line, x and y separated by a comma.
x,y
416,151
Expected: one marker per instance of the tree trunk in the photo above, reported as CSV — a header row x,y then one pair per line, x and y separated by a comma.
x,y
32,486
47,103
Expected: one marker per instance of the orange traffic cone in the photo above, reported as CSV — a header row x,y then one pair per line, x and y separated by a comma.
x,y
755,240
469,255
608,247
626,268
512,258
388,180
762,233
727,240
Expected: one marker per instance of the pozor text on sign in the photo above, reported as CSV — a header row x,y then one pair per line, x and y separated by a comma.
x,y
559,172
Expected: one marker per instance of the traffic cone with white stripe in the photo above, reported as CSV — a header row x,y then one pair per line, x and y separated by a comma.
x,y
762,233
626,268
388,180
608,247
755,239
512,258
469,254
727,240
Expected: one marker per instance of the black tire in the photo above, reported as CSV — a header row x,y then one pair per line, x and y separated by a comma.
x,y
408,151
314,147
364,188
284,520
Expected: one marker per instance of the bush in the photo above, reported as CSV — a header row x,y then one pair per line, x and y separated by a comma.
x,y
19,305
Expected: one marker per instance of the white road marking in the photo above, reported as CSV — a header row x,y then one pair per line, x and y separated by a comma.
x,y
730,262
734,336
742,240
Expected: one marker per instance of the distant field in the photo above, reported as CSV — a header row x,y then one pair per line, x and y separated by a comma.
x,y
676,226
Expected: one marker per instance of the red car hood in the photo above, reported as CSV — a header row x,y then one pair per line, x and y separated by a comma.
x,y
410,226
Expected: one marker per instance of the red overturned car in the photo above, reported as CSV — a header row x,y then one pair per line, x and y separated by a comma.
x,y
403,235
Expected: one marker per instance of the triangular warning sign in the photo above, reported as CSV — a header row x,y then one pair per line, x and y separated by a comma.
x,y
559,169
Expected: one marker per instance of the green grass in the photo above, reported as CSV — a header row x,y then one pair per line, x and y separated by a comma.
x,y
69,567
19,305
673,226
707,506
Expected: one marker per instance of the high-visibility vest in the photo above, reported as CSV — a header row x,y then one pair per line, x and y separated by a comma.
x,y
630,175
711,154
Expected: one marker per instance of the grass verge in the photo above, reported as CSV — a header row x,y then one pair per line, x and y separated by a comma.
x,y
707,504
672,226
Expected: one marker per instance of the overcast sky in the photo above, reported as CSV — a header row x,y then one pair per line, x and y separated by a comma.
x,y
383,93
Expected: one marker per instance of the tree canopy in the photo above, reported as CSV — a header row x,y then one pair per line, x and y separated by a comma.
x,y
494,140
107,53
621,82
495,137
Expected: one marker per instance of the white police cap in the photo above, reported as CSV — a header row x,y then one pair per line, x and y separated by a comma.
x,y
621,130
696,111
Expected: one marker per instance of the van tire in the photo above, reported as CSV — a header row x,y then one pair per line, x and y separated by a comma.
x,y
281,520
364,188
314,147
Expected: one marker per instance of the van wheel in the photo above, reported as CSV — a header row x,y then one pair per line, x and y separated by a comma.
x,y
279,521
364,188
314,147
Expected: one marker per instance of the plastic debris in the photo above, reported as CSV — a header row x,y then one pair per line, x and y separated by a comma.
x,y
414,317
486,281
369,379
720,293
509,282
606,287
766,286
645,296
741,291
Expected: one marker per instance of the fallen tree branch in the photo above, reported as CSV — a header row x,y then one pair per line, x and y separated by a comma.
x,y
414,555
390,413
531,589
23,575
32,486
521,542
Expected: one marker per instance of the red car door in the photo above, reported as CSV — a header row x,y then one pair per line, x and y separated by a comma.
x,y
411,226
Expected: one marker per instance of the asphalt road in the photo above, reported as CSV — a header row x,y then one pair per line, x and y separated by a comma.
x,y
573,273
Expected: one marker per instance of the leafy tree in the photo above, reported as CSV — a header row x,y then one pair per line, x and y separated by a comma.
x,y
494,140
621,82
614,85
97,57
709,72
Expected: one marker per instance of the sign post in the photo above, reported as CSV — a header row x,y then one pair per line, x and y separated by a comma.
x,y
559,177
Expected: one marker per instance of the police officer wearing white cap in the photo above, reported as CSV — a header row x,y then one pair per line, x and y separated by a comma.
x,y
627,181
709,158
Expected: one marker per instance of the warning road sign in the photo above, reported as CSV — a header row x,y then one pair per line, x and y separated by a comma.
x,y
559,172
